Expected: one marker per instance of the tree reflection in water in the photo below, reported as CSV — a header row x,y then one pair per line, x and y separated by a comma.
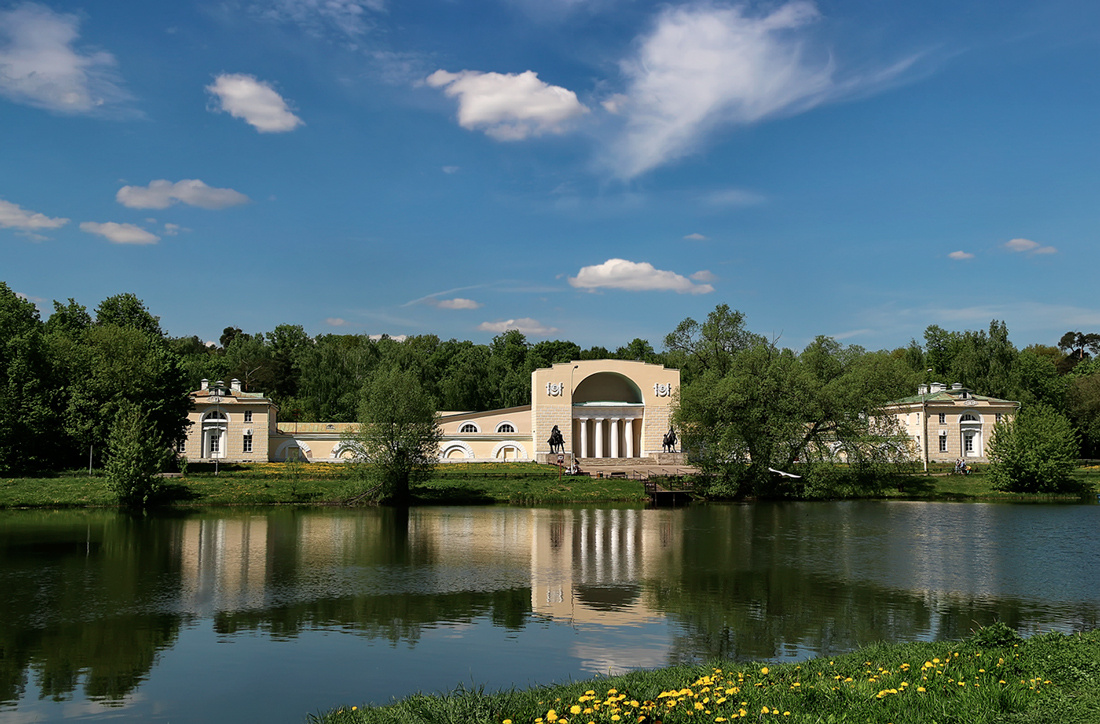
x,y
92,599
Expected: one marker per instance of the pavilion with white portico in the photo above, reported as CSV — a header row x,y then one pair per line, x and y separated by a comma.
x,y
604,409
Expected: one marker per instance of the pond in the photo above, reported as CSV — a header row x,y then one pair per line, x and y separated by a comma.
x,y
270,614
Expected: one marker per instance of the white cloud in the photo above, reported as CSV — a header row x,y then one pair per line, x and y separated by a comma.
x,y
172,229
636,277
14,217
162,193
254,101
458,303
526,325
1028,246
397,338
40,67
960,255
508,106
704,275
704,66
450,169
695,237
335,322
120,233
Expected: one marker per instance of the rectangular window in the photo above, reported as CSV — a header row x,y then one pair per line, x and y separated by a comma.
x,y
943,443
248,443
215,443
968,443
998,417
943,418
248,415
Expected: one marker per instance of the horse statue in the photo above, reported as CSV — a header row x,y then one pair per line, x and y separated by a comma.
x,y
668,442
557,442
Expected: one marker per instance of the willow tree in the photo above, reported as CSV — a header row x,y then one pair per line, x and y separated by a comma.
x,y
749,407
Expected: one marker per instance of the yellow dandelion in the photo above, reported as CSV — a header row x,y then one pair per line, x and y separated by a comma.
x,y
764,671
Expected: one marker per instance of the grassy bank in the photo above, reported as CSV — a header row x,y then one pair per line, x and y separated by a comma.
x,y
991,677
487,483
317,483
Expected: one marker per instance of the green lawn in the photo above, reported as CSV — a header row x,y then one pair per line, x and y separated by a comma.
x,y
993,676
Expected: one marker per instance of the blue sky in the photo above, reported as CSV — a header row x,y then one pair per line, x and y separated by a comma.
x,y
591,170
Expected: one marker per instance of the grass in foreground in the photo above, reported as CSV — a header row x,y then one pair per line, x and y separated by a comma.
x,y
993,676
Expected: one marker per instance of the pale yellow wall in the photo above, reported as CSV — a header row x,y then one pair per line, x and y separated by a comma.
x,y
909,417
488,441
555,390
233,407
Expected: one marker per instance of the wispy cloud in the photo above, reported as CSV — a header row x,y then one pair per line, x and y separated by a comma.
x,y
120,233
162,193
1027,246
336,322
734,197
525,325
321,17
458,303
635,277
40,67
28,223
695,237
508,106
254,101
705,66
959,255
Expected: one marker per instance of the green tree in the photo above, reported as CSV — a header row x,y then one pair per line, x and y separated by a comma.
x,y
1035,452
397,442
28,395
751,406
109,366
126,310
136,453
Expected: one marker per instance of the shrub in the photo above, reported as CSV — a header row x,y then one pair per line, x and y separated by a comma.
x,y
1035,452
136,454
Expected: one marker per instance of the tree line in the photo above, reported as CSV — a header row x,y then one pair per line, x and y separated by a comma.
x,y
66,379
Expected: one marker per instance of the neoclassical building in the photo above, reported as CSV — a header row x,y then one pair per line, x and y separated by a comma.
x,y
607,409
948,424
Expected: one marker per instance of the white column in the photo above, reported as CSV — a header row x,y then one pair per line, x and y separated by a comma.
x,y
584,437
598,428
629,433
614,437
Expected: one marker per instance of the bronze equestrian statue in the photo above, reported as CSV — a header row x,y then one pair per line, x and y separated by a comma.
x,y
668,442
557,442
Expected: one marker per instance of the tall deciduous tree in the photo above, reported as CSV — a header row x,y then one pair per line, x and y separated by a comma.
x,y
397,442
111,366
28,414
126,310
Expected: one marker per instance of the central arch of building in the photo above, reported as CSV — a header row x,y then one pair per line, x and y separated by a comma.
x,y
603,408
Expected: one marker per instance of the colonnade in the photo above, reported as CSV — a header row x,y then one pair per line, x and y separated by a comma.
x,y
619,432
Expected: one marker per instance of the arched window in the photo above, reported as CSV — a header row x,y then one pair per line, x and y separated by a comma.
x,y
468,427
506,427
214,426
968,417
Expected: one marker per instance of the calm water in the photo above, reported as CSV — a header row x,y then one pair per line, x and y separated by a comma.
x,y
271,614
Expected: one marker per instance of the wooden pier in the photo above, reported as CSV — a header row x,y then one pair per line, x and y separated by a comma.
x,y
668,491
